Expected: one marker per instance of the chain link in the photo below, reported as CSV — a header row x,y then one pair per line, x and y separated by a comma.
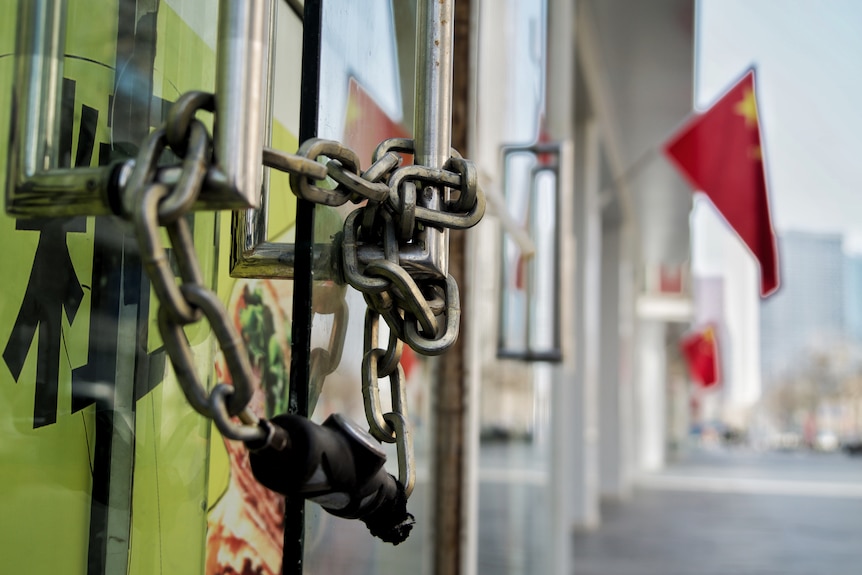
x,y
435,343
424,313
306,188
361,188
149,204
406,292
389,362
324,361
393,426
350,243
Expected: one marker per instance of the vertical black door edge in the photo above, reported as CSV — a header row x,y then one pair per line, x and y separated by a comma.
x,y
294,512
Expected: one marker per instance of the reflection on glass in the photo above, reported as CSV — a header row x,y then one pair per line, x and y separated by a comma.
x,y
542,331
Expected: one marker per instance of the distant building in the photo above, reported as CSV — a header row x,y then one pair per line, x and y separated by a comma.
x,y
809,309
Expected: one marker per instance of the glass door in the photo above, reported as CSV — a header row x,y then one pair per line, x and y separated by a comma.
x,y
104,466
366,77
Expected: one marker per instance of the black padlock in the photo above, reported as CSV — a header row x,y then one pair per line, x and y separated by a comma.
x,y
339,466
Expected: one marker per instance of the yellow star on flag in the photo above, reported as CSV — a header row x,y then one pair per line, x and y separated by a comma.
x,y
747,108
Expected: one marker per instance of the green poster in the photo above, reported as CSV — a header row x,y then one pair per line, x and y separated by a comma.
x,y
104,467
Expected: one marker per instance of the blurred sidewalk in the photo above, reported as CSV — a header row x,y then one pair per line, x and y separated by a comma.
x,y
734,512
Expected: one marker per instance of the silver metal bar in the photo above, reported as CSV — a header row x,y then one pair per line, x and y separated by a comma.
x,y
39,82
433,113
251,255
258,218
37,187
298,7
56,193
271,260
432,120
432,129
242,57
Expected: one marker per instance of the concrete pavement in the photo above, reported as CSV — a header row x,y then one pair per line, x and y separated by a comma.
x,y
734,512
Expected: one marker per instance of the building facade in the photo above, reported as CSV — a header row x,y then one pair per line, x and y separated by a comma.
x,y
111,458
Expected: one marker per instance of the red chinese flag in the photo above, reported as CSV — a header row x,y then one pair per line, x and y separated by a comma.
x,y
701,353
720,154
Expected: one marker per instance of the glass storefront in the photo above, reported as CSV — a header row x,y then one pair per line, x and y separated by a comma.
x,y
102,458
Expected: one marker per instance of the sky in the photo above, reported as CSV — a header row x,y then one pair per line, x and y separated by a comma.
x,y
808,57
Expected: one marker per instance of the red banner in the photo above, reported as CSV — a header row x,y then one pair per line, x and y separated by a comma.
x,y
719,152
700,350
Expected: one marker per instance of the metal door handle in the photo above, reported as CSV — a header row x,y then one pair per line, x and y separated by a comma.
x,y
37,187
252,256
547,160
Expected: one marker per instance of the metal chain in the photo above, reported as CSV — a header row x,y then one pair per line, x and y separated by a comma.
x,y
423,312
392,221
393,426
149,204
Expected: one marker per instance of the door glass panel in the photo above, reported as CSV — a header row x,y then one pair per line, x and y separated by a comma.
x,y
366,92
246,520
102,461
514,495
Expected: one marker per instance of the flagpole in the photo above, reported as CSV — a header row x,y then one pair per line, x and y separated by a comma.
x,y
635,168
